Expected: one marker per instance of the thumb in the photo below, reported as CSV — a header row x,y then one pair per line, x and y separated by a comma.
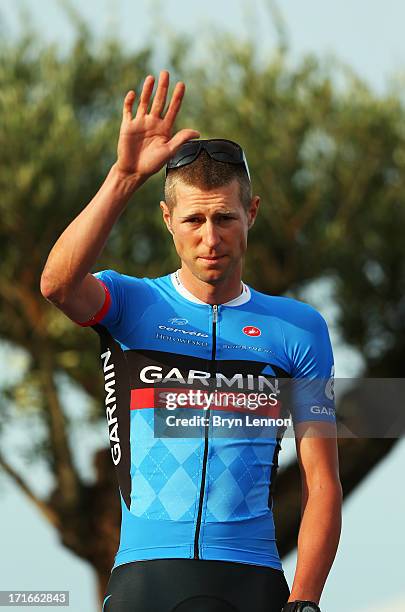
x,y
180,138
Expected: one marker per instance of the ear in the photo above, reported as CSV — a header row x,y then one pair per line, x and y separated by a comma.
x,y
253,209
166,216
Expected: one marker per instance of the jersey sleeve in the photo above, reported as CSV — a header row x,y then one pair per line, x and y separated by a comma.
x,y
116,313
311,355
112,281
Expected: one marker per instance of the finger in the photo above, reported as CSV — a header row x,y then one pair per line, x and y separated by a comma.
x,y
128,104
175,104
180,138
145,95
159,100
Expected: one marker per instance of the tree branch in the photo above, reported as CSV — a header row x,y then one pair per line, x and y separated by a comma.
x,y
67,477
45,510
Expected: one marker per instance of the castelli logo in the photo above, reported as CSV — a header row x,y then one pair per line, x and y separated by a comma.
x,y
251,330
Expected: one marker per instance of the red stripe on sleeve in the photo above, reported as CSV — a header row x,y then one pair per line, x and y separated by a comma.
x,y
103,310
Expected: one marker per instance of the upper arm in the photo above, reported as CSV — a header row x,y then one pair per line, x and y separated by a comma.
x,y
114,300
317,455
83,302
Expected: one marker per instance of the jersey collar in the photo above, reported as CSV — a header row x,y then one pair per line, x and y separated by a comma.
x,y
180,288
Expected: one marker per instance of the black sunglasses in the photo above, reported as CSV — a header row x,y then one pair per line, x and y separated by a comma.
x,y
217,148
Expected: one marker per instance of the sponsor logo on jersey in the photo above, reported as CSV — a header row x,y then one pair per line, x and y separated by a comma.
x,y
182,340
322,410
252,331
330,385
245,347
111,406
178,321
153,373
188,332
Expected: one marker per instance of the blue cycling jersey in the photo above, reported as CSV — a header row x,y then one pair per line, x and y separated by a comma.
x,y
206,496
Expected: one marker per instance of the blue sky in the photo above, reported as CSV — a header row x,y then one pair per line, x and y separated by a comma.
x,y
368,35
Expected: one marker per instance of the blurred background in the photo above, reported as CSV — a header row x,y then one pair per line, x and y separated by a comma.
x,y
314,93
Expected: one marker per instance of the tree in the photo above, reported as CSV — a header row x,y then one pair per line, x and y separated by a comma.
x,y
327,161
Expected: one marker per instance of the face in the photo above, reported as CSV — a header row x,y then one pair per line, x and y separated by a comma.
x,y
210,229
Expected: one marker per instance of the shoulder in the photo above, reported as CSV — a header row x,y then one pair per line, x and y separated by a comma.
x,y
130,293
126,283
129,299
115,277
290,312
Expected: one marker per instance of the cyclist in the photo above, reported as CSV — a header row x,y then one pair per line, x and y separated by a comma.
x,y
197,527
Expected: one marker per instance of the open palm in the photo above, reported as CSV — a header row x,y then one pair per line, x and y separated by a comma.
x,y
145,141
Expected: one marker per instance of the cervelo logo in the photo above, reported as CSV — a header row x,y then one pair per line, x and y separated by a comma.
x,y
251,330
176,330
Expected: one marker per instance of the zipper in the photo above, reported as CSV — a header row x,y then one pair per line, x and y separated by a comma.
x,y
206,434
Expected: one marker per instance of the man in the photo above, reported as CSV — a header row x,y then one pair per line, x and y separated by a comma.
x,y
197,528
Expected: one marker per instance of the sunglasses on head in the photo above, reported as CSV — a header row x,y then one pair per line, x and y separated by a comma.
x,y
217,148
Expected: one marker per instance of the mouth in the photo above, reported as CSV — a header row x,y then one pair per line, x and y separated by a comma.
x,y
216,258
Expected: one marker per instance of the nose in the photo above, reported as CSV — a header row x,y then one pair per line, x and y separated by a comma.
x,y
211,235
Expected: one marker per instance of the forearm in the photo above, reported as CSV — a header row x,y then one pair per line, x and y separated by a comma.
x,y
318,540
79,246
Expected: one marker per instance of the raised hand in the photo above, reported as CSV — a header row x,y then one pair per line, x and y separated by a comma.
x,y
145,141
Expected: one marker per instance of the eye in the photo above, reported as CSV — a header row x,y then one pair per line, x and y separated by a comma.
x,y
226,218
193,220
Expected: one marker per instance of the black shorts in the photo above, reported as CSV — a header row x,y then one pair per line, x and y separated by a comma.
x,y
188,585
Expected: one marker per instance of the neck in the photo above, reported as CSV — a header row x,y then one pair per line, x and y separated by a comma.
x,y
217,292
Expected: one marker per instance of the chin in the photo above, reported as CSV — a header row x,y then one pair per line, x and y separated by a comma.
x,y
211,275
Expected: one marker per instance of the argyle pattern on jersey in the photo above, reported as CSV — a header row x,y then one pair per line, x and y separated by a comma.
x,y
165,472
166,475
239,478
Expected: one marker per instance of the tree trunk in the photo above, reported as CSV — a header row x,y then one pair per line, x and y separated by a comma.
x,y
92,530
